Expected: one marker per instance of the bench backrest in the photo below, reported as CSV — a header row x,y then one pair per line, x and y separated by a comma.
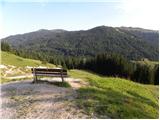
x,y
49,71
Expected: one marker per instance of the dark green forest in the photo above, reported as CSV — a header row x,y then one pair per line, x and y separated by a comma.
x,y
106,64
132,43
107,51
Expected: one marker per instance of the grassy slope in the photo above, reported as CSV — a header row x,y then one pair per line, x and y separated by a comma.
x,y
19,64
11,59
117,98
106,96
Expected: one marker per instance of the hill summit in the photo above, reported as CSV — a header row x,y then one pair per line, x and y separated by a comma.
x,y
133,43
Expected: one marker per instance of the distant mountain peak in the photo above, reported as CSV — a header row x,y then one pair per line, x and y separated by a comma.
x,y
58,30
42,30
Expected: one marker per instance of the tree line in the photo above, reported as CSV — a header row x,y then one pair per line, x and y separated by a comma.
x,y
107,64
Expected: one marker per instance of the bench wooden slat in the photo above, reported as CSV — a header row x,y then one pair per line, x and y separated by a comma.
x,y
51,75
49,72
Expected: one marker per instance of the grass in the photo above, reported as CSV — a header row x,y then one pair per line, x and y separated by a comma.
x,y
116,97
11,59
5,80
105,96
18,66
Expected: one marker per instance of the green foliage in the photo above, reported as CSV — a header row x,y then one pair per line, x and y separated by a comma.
x,y
86,43
110,65
63,64
5,46
44,62
146,72
147,35
142,74
116,65
116,97
156,75
104,64
11,59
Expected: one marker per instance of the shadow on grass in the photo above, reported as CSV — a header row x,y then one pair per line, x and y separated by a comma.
x,y
57,83
111,103
143,99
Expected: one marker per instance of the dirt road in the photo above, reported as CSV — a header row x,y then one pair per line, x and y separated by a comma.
x,y
24,99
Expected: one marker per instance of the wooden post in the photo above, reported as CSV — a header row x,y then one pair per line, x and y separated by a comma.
x,y
35,77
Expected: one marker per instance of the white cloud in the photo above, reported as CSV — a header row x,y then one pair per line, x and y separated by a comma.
x,y
143,13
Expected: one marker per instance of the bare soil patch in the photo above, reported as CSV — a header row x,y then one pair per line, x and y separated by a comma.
x,y
23,99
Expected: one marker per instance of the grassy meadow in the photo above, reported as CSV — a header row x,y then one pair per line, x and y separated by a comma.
x,y
11,59
116,97
18,66
104,96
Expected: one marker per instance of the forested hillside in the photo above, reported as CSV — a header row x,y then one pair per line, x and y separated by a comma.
x,y
103,97
129,42
149,36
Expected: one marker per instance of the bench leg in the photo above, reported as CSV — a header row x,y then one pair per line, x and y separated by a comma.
x,y
62,79
35,79
62,76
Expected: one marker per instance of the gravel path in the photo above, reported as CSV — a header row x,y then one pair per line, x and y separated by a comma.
x,y
24,99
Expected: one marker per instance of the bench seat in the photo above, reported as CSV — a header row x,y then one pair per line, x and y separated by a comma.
x,y
49,72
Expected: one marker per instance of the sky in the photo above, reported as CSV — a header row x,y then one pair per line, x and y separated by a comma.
x,y
21,16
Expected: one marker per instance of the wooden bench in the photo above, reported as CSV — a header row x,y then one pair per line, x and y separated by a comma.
x,y
49,72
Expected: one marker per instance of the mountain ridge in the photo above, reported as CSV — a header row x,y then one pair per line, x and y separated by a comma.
x,y
134,28
133,43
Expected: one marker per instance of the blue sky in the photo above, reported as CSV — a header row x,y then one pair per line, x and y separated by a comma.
x,y
21,16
